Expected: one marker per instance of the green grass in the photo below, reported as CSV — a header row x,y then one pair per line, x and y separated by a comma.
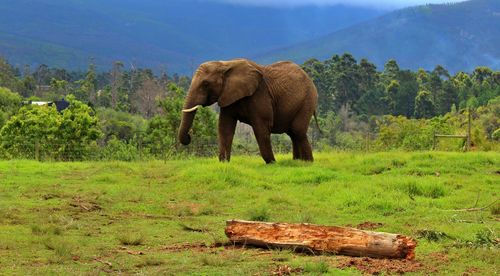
x,y
164,217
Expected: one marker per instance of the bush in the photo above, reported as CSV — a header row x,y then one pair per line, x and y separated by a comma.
x,y
260,214
316,268
120,150
161,133
131,238
410,134
42,131
119,125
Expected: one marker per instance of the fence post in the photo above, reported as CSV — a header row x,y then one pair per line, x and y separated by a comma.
x,y
163,151
140,145
469,142
367,146
37,150
434,140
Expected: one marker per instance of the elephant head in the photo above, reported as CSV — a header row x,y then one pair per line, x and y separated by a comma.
x,y
224,82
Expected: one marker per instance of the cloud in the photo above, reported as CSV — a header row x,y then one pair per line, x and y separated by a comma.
x,y
370,3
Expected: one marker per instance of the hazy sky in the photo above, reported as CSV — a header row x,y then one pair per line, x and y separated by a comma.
x,y
371,3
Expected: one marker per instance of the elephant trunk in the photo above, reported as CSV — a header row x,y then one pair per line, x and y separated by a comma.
x,y
188,113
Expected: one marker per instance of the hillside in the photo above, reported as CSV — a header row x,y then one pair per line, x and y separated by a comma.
x,y
458,36
175,34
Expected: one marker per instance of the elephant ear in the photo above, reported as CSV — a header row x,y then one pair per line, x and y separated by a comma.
x,y
241,79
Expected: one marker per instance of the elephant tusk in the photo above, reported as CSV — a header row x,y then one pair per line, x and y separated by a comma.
x,y
191,109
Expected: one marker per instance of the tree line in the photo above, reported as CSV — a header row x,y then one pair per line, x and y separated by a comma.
x,y
343,82
134,113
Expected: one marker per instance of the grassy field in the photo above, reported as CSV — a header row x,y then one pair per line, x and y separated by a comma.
x,y
169,217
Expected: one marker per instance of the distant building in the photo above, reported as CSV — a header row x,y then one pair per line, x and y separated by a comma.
x,y
60,105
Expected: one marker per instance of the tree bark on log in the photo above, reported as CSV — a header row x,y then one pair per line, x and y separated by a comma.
x,y
320,239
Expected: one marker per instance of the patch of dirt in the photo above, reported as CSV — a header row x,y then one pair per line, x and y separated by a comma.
x,y
84,205
37,264
130,252
103,262
368,225
377,170
378,266
431,235
472,271
286,270
11,216
200,247
184,209
50,196
439,257
188,228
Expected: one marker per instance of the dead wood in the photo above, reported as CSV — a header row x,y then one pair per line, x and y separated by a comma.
x,y
474,209
320,239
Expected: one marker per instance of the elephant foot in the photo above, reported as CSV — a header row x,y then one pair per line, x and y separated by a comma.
x,y
224,157
272,161
223,160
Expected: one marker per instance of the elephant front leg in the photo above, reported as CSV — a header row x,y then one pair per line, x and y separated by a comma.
x,y
227,126
295,146
263,137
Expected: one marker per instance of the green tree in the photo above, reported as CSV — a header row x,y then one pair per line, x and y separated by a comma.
x,y
104,97
481,74
407,92
8,76
120,125
424,106
32,129
87,87
116,83
316,70
70,135
446,97
463,87
9,104
392,91
391,70
28,86
161,134
78,131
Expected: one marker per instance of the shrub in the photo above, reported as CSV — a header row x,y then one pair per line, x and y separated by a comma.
x,y
131,238
260,214
42,131
316,268
120,150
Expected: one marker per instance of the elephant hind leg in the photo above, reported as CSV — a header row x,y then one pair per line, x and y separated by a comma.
x,y
305,149
299,130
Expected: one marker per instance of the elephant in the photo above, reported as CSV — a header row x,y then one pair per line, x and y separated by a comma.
x,y
277,98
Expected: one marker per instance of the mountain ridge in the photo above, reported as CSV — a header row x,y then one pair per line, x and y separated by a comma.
x,y
176,34
454,44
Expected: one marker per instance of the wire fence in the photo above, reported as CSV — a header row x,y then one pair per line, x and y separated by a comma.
x,y
140,147
144,147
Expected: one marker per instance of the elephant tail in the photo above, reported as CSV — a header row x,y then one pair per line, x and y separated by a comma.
x,y
317,124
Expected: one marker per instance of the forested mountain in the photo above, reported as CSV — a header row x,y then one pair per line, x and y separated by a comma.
x,y
174,35
458,36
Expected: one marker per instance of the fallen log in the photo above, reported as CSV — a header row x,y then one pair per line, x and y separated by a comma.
x,y
320,239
